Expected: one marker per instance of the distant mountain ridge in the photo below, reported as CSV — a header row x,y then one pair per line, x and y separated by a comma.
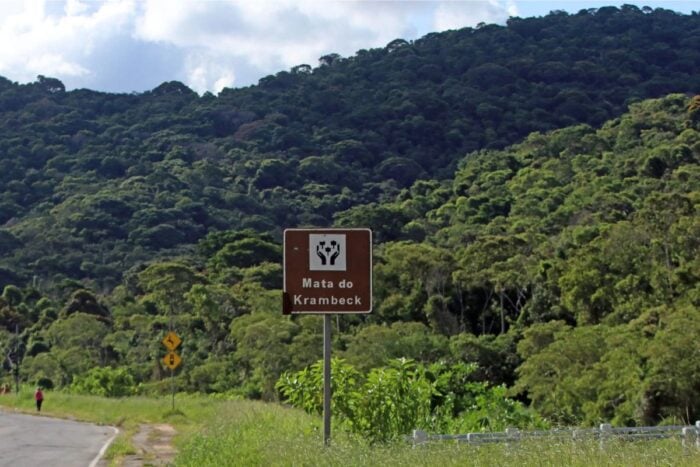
x,y
93,184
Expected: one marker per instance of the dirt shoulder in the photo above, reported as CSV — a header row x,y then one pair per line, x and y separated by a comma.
x,y
153,446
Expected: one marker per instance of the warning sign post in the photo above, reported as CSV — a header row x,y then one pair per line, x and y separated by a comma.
x,y
327,271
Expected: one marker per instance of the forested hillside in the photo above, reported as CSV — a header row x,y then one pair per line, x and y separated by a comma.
x,y
574,256
93,184
565,267
533,216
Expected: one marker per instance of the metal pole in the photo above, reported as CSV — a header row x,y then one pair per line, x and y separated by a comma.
x,y
171,328
326,379
16,368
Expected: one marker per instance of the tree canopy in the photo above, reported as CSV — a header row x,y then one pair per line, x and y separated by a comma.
x,y
533,191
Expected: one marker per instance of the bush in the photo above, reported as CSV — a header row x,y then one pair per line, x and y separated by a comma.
x,y
105,382
391,401
45,383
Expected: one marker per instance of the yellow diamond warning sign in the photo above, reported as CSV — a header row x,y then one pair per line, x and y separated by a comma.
x,y
171,341
172,360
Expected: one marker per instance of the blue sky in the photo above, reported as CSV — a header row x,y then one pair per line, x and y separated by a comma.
x,y
134,45
538,8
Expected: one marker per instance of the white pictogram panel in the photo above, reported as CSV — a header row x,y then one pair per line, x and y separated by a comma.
x,y
327,252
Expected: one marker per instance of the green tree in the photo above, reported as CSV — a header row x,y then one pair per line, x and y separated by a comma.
x,y
166,284
262,355
372,346
558,376
671,386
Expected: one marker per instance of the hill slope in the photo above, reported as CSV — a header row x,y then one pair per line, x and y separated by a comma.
x,y
565,266
92,184
583,225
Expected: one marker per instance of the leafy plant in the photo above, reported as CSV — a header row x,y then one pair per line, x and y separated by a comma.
x,y
391,401
106,382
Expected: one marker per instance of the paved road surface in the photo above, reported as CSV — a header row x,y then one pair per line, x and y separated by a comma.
x,y
28,440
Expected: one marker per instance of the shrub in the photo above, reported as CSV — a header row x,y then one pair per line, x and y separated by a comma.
x,y
391,401
45,383
105,382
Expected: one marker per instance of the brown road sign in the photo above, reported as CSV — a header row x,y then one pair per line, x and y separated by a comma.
x,y
327,271
172,360
171,341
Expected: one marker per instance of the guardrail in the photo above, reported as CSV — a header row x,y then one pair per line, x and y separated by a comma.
x,y
688,434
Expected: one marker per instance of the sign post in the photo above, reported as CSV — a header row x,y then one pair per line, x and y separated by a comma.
x,y
327,379
327,271
172,360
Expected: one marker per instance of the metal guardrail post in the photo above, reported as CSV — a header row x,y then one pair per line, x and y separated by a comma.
x,y
419,437
688,437
605,434
512,437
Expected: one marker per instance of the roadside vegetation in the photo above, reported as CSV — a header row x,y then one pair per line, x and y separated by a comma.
x,y
574,293
214,432
533,191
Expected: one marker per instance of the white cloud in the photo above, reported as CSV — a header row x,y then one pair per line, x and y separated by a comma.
x,y
204,73
275,35
455,15
215,42
37,42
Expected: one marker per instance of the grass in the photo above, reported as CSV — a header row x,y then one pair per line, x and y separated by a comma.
x,y
266,434
190,415
215,432
120,448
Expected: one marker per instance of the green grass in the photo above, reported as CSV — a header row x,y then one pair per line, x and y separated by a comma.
x,y
265,434
119,448
128,411
215,432
190,415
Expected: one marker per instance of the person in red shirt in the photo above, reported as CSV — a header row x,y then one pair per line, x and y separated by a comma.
x,y
39,398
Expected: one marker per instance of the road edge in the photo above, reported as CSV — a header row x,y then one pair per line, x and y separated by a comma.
x,y
102,452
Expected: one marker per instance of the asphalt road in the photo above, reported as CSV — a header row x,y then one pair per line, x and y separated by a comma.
x,y
29,440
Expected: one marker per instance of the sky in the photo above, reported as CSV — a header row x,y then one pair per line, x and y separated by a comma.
x,y
135,45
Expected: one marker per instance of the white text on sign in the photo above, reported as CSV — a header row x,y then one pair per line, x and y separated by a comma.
x,y
309,283
332,300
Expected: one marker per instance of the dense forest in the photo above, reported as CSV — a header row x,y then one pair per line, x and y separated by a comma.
x,y
532,188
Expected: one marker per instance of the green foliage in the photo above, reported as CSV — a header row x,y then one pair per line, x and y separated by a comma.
x,y
304,389
673,383
105,382
262,340
221,431
556,267
557,377
513,205
85,302
12,295
374,345
167,283
245,253
634,374
390,401
112,181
